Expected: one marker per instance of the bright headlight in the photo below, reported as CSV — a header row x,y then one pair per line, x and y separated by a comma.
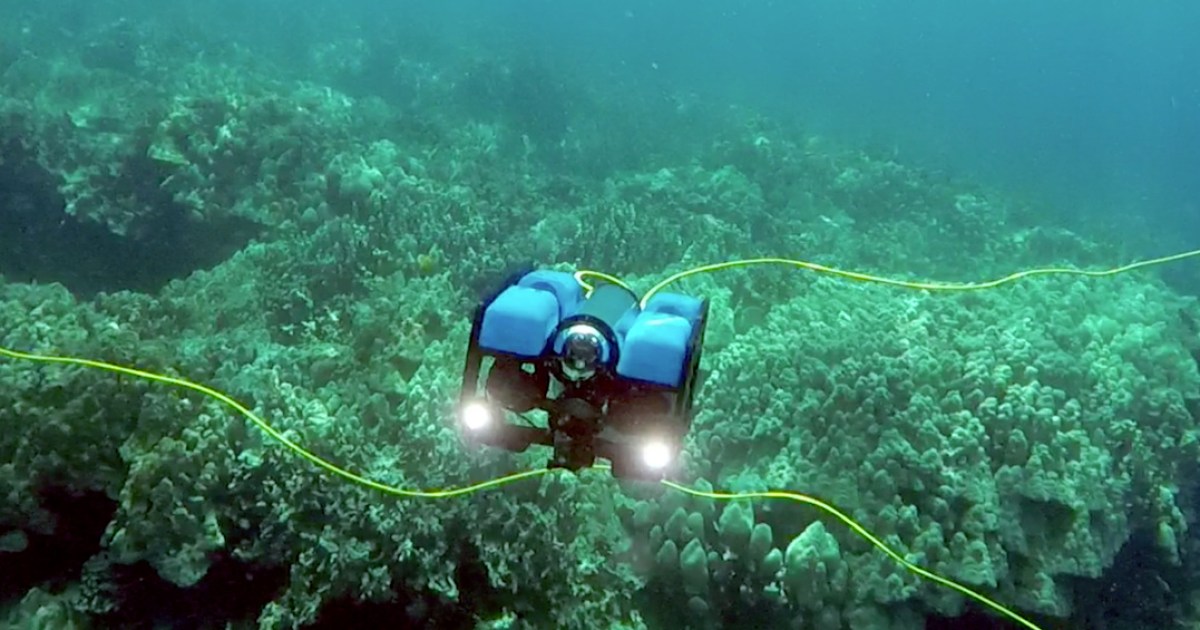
x,y
476,415
657,455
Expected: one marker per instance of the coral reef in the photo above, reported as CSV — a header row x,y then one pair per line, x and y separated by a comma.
x,y
316,253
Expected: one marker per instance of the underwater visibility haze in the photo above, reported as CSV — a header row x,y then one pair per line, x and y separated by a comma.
x,y
662,314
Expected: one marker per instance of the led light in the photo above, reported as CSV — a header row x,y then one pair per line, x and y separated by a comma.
x,y
656,455
476,416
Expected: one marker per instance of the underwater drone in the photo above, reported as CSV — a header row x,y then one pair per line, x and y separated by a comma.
x,y
615,377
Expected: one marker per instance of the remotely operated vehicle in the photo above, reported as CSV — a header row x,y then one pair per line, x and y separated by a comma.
x,y
615,377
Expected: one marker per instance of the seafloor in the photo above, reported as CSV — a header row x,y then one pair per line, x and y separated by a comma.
x,y
308,230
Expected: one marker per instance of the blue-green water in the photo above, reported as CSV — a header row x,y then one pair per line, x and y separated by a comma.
x,y
301,205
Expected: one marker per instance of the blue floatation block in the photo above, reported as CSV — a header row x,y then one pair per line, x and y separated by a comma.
x,y
521,319
655,348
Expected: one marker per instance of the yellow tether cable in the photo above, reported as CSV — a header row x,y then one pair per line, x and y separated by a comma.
x,y
272,431
435,494
866,535
922,285
581,277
